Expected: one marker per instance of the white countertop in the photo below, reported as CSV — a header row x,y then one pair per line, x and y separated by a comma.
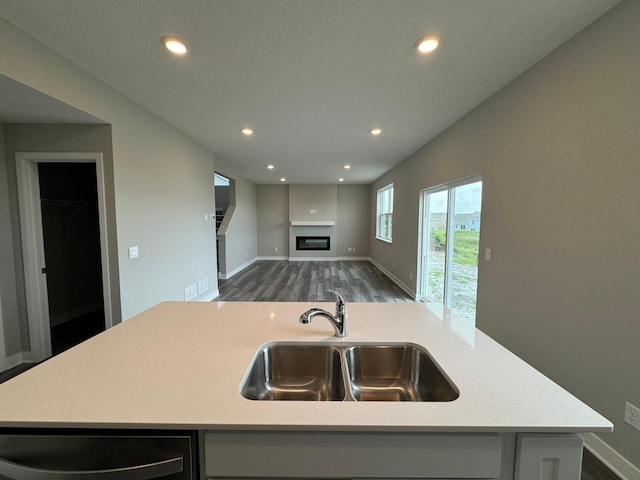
x,y
180,365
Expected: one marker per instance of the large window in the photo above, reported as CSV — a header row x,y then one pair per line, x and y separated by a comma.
x,y
385,213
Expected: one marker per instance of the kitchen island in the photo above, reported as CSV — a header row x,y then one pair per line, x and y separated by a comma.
x,y
179,366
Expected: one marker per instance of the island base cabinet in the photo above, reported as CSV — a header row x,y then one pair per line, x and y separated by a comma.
x,y
256,455
548,457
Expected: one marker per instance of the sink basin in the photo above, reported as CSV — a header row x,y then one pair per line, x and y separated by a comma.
x,y
402,372
295,371
346,372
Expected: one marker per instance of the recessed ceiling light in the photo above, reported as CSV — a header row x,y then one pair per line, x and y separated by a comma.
x,y
341,179
174,45
270,166
427,44
347,166
376,131
247,131
283,179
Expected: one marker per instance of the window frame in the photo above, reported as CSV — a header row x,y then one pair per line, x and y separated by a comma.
x,y
384,210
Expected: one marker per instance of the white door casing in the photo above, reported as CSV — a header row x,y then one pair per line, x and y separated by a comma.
x,y
33,242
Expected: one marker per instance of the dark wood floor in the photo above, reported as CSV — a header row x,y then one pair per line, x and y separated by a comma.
x,y
594,469
284,281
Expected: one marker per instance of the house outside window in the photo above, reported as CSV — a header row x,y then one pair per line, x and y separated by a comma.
x,y
384,214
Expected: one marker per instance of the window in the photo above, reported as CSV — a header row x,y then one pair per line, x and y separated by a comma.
x,y
385,213
450,245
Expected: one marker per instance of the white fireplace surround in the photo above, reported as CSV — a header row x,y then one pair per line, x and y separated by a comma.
x,y
312,223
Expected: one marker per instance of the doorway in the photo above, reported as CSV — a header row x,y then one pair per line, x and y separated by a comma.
x,y
71,234
449,245
63,225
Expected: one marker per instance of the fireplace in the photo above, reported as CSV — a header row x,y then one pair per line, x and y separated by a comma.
x,y
313,243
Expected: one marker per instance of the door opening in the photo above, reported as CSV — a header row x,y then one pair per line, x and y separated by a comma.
x,y
449,245
71,234
54,202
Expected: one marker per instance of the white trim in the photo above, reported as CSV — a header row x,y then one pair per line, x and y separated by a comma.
x,y
209,298
315,223
33,245
273,258
227,276
15,360
395,279
313,259
619,465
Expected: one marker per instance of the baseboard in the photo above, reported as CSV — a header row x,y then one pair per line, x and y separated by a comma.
x,y
273,258
212,296
312,259
619,465
14,360
227,276
393,278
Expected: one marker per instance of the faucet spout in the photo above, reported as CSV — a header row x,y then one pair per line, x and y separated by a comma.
x,y
338,321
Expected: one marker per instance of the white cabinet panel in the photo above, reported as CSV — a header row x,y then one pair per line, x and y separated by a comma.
x,y
549,457
352,455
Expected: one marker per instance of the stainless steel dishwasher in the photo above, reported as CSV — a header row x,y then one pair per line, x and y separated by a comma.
x,y
97,455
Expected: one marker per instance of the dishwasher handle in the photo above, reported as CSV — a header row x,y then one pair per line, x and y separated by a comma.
x,y
148,471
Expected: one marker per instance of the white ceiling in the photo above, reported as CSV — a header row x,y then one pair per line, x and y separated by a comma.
x,y
311,77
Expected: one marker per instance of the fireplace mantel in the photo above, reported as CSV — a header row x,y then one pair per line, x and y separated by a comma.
x,y
312,223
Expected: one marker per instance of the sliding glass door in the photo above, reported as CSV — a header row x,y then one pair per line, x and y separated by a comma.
x,y
450,236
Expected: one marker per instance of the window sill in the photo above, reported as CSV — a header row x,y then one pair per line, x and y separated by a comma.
x,y
385,240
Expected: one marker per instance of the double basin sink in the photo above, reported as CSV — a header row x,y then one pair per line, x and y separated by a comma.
x,y
346,372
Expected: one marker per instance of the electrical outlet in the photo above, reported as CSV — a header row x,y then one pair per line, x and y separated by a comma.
x,y
632,415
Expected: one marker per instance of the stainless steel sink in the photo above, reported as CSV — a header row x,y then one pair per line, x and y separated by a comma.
x,y
295,371
346,372
403,372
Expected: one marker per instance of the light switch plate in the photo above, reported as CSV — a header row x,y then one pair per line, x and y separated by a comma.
x,y
133,252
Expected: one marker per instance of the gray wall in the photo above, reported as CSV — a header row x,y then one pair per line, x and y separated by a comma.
x,y
558,150
273,220
162,178
8,295
351,214
240,237
353,220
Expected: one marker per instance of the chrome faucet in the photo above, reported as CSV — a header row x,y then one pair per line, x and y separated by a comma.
x,y
339,321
